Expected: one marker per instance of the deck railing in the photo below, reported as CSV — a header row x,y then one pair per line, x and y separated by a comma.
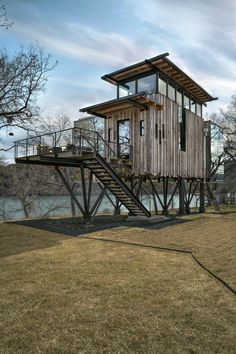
x,y
75,140
78,141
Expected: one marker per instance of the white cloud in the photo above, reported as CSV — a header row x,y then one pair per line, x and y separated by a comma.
x,y
73,95
85,43
200,36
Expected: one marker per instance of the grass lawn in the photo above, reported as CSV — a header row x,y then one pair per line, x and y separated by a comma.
x,y
62,294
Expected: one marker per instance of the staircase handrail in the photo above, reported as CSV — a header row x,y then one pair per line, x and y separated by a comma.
x,y
117,157
107,145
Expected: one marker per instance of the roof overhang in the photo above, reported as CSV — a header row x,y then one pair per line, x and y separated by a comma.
x,y
138,100
165,66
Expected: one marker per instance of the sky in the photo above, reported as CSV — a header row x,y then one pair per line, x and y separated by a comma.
x,y
92,38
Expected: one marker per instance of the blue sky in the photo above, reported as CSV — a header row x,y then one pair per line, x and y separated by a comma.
x,y
91,38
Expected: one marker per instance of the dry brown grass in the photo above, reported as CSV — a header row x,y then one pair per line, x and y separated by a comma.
x,y
61,294
211,237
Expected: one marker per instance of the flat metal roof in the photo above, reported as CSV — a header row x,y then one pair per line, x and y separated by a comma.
x,y
138,100
165,66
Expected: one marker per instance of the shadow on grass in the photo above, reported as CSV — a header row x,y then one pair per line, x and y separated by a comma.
x,y
76,227
20,241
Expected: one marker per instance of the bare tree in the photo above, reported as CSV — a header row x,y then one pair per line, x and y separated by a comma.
x,y
59,124
2,160
4,20
28,184
51,124
227,121
22,78
223,156
91,123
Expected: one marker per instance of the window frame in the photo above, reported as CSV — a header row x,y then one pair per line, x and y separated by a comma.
x,y
164,77
141,127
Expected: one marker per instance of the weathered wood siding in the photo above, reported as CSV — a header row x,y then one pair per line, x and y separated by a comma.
x,y
160,155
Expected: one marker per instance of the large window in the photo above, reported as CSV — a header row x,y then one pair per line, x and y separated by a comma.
x,y
123,138
199,109
179,98
162,86
153,83
186,102
171,92
129,88
147,84
193,106
122,91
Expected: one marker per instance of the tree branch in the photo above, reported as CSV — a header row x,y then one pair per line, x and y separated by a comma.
x,y
8,149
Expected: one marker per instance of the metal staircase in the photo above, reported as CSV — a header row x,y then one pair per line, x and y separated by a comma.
x,y
106,174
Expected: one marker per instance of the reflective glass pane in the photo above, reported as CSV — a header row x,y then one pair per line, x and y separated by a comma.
x,y
179,98
186,102
126,89
130,86
171,92
162,86
180,114
123,91
193,105
141,127
199,110
147,84
123,138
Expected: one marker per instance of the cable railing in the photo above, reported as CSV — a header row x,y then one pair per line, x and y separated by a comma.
x,y
76,141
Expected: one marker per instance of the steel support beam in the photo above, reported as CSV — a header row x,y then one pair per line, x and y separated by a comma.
x,y
181,195
156,193
97,203
187,202
90,188
115,204
165,181
172,195
202,198
70,190
84,190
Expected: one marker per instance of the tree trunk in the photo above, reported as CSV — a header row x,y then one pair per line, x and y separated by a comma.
x,y
212,197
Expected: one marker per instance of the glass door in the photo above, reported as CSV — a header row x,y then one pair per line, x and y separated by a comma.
x,y
123,138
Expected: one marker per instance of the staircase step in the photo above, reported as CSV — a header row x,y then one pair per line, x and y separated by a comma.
x,y
101,172
91,163
108,176
96,168
101,175
122,194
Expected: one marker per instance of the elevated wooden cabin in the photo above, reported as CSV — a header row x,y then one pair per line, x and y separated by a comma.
x,y
155,121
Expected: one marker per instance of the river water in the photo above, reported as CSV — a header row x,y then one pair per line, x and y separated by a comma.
x,y
11,207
